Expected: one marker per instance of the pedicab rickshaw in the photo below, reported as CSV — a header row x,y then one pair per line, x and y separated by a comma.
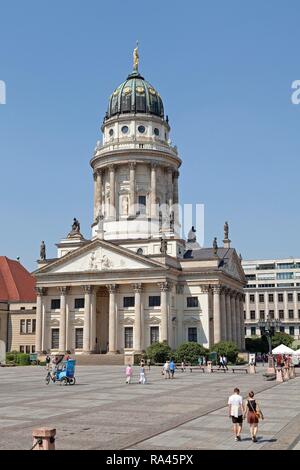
x,y
64,374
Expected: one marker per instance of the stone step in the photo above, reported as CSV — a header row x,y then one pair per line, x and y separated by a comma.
x,y
99,359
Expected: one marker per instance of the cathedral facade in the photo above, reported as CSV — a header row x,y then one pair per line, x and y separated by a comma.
x,y
136,281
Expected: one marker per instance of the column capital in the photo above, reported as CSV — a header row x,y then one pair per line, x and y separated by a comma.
x,y
97,172
217,289
40,291
137,287
154,165
169,169
87,289
179,289
63,289
132,165
205,288
112,167
164,286
176,174
111,288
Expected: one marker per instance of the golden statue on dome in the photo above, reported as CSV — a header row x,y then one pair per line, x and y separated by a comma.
x,y
136,57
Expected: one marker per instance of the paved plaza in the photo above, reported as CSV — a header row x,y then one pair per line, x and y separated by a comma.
x,y
102,412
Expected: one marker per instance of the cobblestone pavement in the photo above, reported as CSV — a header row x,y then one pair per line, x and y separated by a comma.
x,y
102,412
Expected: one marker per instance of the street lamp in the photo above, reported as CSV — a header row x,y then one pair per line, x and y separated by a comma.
x,y
269,325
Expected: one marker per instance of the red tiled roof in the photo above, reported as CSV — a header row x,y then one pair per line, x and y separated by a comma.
x,y
16,283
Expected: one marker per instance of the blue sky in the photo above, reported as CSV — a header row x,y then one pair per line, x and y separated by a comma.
x,y
224,70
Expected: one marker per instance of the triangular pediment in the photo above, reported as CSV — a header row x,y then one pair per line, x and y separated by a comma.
x,y
233,267
99,256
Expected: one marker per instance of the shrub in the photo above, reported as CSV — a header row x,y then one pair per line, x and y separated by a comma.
x,y
190,351
228,349
281,338
257,344
23,359
159,352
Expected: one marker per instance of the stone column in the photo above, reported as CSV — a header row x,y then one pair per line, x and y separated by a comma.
x,y
132,208
112,334
153,191
217,314
176,198
138,318
62,319
170,186
228,316
112,190
233,318
164,288
238,320
97,193
87,319
93,320
223,316
40,291
242,300
180,310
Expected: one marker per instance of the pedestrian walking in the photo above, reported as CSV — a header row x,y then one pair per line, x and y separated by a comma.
x,y
182,366
253,414
149,363
48,359
129,373
142,379
225,362
236,411
167,369
172,368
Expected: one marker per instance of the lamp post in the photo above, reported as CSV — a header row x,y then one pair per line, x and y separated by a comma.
x,y
269,325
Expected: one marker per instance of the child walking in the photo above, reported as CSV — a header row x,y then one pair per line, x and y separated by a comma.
x,y
142,375
128,373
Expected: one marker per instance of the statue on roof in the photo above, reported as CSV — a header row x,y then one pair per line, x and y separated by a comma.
x,y
215,246
191,235
226,231
163,246
136,57
43,251
76,225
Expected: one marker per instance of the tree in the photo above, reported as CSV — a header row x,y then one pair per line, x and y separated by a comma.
x,y
281,338
226,348
159,352
190,351
257,344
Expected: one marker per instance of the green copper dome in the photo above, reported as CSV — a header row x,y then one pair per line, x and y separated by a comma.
x,y
135,95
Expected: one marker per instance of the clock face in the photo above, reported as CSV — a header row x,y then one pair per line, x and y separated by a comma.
x,y
125,129
141,129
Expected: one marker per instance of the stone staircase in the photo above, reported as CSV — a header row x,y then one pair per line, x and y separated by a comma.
x,y
99,359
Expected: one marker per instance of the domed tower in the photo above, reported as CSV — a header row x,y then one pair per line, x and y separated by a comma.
x,y
135,167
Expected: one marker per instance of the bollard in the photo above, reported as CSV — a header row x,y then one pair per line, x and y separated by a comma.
x,y
43,439
286,375
252,369
279,375
208,367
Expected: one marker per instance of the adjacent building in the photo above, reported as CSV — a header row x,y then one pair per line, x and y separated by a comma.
x,y
273,290
136,281
17,307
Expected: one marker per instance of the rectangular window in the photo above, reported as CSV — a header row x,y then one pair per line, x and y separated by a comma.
x,y
154,334
253,331
292,330
28,326
33,325
22,308
290,297
22,326
27,349
262,330
128,302
280,297
261,297
142,204
192,302
244,314
33,349
54,338
281,329
55,304
154,300
22,349
298,297
285,276
252,297
79,303
291,314
261,314
78,338
128,337
271,297
271,314
281,314
252,314
192,335
298,313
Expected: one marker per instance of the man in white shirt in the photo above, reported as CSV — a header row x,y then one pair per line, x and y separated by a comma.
x,y
235,411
